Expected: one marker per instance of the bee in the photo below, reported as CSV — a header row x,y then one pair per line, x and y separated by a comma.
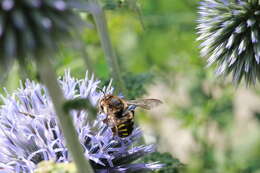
x,y
120,112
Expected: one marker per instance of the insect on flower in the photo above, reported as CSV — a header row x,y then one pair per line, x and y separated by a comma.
x,y
30,132
120,112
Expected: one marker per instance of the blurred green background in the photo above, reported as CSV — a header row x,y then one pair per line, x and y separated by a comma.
x,y
205,122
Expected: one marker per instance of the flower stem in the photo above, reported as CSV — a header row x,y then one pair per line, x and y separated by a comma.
x,y
133,5
86,58
102,28
48,77
82,48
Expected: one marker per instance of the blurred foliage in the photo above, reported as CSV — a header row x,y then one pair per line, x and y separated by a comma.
x,y
257,116
135,84
172,165
206,104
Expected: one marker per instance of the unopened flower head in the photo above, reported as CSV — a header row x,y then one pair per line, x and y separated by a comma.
x,y
30,133
229,31
31,27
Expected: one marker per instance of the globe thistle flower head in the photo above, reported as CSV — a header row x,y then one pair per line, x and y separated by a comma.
x,y
30,27
229,31
30,132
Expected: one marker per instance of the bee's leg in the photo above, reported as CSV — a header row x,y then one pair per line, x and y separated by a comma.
x,y
115,126
115,131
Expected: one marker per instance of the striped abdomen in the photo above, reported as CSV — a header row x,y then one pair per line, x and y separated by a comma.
x,y
126,126
125,129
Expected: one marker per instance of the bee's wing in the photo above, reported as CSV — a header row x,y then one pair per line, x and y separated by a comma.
x,y
144,103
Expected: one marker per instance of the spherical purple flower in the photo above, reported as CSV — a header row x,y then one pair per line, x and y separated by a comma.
x,y
30,132
229,31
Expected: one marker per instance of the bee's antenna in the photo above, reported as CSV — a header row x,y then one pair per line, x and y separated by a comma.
x,y
101,90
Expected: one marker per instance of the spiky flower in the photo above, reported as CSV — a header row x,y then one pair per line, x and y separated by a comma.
x,y
30,27
30,133
229,31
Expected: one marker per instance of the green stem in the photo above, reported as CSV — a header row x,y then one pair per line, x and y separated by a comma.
x,y
137,10
80,45
86,58
102,28
48,77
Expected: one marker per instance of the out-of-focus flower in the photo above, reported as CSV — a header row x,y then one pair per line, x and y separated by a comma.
x,y
229,31
52,167
29,28
30,132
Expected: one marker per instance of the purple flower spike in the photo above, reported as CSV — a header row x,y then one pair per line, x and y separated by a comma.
x,y
30,132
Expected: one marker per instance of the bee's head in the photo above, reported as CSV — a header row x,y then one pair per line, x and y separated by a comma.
x,y
116,102
111,104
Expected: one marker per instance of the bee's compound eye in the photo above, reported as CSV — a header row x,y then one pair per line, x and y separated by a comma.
x,y
102,107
